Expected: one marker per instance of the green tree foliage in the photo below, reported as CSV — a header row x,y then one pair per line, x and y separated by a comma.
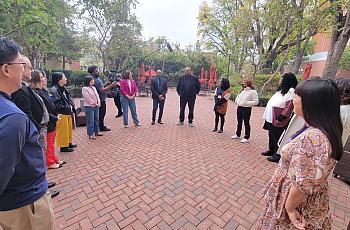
x,y
36,25
260,31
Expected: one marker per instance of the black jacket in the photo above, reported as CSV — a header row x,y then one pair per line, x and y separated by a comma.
x,y
163,86
188,86
62,101
25,99
48,101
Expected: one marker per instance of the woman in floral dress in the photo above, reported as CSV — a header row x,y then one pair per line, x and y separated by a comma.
x,y
297,197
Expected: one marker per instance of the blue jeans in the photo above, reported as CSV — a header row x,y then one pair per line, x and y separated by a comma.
x,y
132,104
92,120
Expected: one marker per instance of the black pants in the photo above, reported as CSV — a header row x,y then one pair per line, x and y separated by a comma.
x,y
274,135
243,114
102,114
222,119
156,103
190,101
118,104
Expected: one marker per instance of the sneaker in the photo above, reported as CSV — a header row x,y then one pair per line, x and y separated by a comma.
x,y
72,145
92,137
214,130
244,140
126,126
220,131
160,122
180,123
99,134
190,124
152,123
235,137
138,124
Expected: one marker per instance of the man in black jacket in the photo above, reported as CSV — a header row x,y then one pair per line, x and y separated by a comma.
x,y
33,106
187,88
159,87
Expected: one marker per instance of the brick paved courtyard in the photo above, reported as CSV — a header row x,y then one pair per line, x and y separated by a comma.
x,y
170,177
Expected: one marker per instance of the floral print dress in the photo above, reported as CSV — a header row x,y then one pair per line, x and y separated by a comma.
x,y
306,164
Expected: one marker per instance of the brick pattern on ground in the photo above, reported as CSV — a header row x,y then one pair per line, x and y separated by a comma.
x,y
170,177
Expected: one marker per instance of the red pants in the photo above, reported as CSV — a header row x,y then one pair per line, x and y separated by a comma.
x,y
51,157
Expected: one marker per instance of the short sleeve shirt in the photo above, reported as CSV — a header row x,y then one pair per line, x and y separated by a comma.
x,y
99,86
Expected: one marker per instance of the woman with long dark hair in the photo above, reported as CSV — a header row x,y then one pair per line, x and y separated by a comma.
x,y
278,112
221,96
298,193
64,106
246,99
128,91
38,82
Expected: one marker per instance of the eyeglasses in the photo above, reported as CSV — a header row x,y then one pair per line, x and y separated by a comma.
x,y
14,63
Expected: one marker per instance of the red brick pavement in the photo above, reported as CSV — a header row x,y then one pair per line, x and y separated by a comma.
x,y
170,177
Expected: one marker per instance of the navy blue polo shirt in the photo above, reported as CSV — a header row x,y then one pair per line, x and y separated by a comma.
x,y
22,164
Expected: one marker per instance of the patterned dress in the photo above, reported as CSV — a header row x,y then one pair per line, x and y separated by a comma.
x,y
306,164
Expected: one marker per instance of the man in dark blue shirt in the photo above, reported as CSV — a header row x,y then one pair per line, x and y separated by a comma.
x,y
101,90
24,198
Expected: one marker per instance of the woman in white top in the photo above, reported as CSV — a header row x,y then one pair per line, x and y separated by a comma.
x,y
278,112
246,99
91,104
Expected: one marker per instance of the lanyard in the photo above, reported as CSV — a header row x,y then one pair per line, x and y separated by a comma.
x,y
299,132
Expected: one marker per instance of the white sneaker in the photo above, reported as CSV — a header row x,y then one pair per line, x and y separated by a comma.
x,y
126,126
235,137
244,140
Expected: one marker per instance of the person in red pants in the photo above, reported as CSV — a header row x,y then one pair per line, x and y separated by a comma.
x,y
39,84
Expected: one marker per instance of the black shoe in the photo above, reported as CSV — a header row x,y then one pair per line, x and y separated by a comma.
x,y
105,129
160,122
267,153
54,193
72,146
119,115
275,158
66,150
51,184
221,131
215,129
152,123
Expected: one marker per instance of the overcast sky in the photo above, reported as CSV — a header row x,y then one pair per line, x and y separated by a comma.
x,y
174,19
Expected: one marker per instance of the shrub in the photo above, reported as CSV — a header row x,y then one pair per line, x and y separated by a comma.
x,y
75,78
75,91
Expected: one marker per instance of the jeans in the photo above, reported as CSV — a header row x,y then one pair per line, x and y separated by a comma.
x,y
132,105
190,101
92,120
102,114
243,114
161,103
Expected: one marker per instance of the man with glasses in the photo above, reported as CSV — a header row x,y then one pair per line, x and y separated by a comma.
x,y
24,198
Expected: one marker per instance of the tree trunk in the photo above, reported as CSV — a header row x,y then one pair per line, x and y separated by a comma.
x,y
340,38
299,55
